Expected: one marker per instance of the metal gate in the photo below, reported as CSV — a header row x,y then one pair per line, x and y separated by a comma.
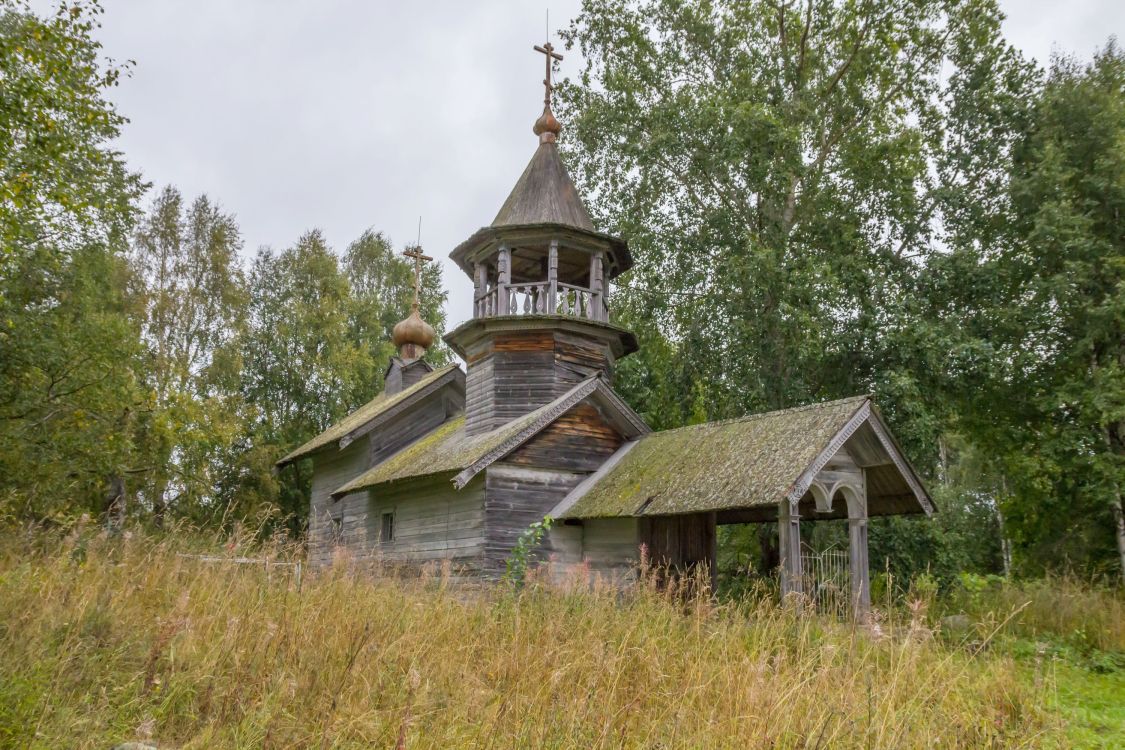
x,y
826,579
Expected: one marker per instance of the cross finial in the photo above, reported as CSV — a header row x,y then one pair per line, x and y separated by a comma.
x,y
549,55
547,127
415,252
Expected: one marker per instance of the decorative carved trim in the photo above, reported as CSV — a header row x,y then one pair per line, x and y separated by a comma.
x,y
902,464
802,484
564,404
624,412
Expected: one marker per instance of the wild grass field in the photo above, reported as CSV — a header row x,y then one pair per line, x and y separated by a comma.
x,y
107,640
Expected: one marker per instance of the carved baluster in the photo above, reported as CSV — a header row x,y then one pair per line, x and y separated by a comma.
x,y
526,291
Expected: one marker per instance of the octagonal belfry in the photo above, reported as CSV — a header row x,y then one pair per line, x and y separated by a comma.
x,y
541,311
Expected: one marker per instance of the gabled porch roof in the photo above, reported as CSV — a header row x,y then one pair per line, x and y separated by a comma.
x,y
745,467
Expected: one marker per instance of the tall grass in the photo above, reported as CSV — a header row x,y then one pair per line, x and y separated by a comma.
x,y
1056,607
108,640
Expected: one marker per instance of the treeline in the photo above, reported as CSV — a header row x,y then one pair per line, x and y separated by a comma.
x,y
145,366
822,199
828,198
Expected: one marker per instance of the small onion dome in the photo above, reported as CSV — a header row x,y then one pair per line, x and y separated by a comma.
x,y
413,330
547,127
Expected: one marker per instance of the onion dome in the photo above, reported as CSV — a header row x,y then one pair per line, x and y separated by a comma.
x,y
547,127
413,336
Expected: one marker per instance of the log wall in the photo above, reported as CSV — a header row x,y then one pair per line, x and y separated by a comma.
x,y
513,373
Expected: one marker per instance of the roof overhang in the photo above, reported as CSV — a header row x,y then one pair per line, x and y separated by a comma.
x,y
480,244
619,340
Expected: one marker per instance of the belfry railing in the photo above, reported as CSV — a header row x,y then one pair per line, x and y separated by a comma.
x,y
536,298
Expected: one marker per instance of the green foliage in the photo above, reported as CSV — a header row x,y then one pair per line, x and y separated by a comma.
x,y
828,198
316,347
1043,310
515,567
68,339
192,293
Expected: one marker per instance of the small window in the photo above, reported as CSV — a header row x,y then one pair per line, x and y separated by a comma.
x,y
388,531
337,530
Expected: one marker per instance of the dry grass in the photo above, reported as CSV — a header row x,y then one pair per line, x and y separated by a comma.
x,y
103,641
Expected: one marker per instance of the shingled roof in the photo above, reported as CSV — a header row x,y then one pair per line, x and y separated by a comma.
x,y
544,194
382,406
449,449
757,460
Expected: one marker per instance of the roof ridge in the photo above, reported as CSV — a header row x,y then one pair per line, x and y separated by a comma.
x,y
774,413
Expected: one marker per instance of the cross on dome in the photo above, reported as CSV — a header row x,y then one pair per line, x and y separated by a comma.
x,y
547,127
415,252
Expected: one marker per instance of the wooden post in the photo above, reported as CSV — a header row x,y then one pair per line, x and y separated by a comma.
x,y
480,286
552,277
605,293
858,566
595,312
504,272
789,531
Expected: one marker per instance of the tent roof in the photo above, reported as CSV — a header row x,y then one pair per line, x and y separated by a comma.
x,y
544,194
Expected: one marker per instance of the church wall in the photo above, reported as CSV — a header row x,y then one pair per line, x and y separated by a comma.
x,y
411,425
331,521
516,497
432,522
597,549
513,373
533,479
580,440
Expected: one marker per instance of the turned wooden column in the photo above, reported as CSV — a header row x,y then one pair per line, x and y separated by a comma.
x,y
480,287
504,279
552,277
595,311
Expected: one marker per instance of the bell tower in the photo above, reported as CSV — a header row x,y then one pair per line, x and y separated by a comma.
x,y
541,318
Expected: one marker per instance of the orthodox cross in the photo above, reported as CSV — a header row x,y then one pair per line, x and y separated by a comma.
x,y
416,253
549,54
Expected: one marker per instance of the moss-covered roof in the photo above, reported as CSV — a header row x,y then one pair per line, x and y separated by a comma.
x,y
381,404
737,463
449,449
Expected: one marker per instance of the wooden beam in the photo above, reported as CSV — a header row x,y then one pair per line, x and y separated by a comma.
x,y
859,566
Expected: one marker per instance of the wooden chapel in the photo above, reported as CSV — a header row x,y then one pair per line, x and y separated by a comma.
x,y
452,464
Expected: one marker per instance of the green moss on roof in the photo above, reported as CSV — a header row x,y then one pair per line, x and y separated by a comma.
x,y
750,461
363,415
445,449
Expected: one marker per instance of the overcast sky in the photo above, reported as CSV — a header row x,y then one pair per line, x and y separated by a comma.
x,y
348,114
